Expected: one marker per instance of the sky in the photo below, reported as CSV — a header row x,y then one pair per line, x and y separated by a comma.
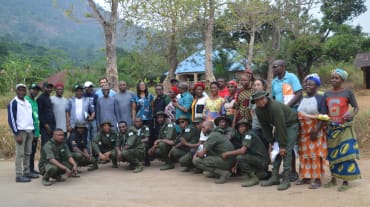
x,y
363,20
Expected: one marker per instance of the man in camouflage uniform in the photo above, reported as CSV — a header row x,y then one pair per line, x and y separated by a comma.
x,y
252,157
56,159
104,144
209,158
143,132
77,143
185,145
166,139
223,123
129,147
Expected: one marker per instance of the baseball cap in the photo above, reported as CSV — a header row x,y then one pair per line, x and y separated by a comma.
x,y
88,84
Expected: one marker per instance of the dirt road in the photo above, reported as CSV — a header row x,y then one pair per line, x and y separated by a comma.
x,y
118,187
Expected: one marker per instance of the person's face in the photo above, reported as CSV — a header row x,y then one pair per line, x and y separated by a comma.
x,y
103,82
336,80
261,103
242,128
59,91
106,128
79,93
181,90
80,130
34,92
122,128
159,90
21,92
222,124
199,91
122,86
231,88
105,92
183,124
58,136
258,85
310,86
89,90
277,69
198,125
214,89
245,81
48,89
142,86
205,128
221,82
171,94
138,123
160,119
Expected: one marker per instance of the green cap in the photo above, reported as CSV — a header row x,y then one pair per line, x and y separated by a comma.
x,y
257,95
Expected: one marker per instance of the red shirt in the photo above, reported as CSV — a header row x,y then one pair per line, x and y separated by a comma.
x,y
224,92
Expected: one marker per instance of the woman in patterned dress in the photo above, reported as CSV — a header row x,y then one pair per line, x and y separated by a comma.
x,y
214,103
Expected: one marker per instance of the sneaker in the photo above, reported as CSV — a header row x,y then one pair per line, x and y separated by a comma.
x,y
32,175
35,172
22,179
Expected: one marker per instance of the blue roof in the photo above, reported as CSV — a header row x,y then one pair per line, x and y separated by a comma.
x,y
196,62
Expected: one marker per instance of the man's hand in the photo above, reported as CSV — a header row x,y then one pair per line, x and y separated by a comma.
x,y
48,129
282,151
74,169
234,169
224,156
102,156
183,141
200,154
68,172
18,139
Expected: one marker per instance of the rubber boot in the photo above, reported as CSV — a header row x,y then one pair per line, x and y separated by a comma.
x,y
167,166
115,165
286,181
224,175
93,167
273,180
210,174
252,180
138,168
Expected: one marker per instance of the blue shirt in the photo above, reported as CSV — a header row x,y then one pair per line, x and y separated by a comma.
x,y
99,93
282,90
186,99
144,106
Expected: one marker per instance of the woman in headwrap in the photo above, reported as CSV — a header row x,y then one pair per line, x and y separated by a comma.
x,y
199,102
312,134
342,143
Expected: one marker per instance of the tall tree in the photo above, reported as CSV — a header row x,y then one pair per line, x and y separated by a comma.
x,y
209,8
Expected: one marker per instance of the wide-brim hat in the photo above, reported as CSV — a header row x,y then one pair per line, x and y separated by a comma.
x,y
80,125
218,119
160,113
182,118
106,122
242,121
198,120
258,95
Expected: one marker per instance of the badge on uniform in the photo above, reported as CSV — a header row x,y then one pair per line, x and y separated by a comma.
x,y
170,125
248,137
146,129
62,150
187,130
73,142
99,143
130,134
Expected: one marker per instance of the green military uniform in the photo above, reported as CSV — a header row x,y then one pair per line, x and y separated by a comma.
x,y
132,148
230,133
256,159
54,150
166,131
103,143
215,145
184,154
79,141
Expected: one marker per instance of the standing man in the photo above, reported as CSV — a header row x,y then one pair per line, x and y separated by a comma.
x,y
34,91
123,99
56,160
90,94
60,108
286,125
209,158
21,122
161,100
223,91
286,89
104,82
183,104
46,113
242,110
106,109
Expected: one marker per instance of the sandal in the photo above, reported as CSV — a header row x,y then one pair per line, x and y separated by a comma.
x,y
302,181
343,188
314,185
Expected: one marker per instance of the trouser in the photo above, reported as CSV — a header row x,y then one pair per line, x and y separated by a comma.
x,y
33,152
45,137
182,156
112,156
149,144
258,132
248,163
213,163
292,133
52,171
23,152
91,133
161,152
82,160
133,156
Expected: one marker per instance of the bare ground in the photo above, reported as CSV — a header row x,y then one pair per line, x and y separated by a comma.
x,y
118,187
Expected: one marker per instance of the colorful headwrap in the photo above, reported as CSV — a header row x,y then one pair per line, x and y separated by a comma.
x,y
314,77
342,73
175,90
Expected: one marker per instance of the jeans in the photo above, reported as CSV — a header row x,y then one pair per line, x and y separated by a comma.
x,y
91,133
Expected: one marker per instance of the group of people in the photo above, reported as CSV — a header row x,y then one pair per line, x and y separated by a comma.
x,y
238,128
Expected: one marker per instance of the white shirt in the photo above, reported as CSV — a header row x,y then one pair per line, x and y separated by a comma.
x,y
24,115
79,111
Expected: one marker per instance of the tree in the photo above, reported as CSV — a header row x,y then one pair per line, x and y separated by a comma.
x,y
209,7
